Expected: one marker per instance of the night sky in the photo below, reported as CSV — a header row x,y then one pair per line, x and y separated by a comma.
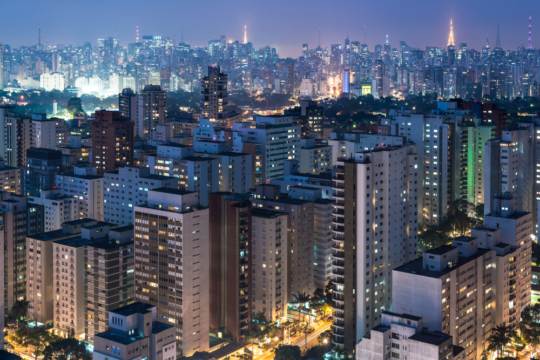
x,y
284,24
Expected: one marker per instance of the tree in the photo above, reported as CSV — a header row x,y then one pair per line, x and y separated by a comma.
x,y
74,106
286,352
260,317
500,336
20,309
315,352
64,349
39,340
325,339
302,298
328,293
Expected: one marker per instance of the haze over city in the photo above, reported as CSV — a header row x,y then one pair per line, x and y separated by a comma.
x,y
281,24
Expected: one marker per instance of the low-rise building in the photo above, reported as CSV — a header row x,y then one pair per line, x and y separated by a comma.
x,y
135,333
403,336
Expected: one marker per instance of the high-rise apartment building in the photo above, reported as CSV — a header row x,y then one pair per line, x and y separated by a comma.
x,y
85,187
278,139
230,263
15,136
214,96
172,264
18,220
269,263
509,167
299,254
42,166
128,105
91,275
322,232
57,208
10,178
450,144
151,111
375,230
40,290
49,133
112,141
128,187
193,173
135,332
109,275
451,287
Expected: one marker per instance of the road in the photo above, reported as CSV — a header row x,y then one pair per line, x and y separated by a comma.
x,y
300,340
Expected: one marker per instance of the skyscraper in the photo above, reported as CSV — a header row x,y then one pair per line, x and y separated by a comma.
x,y
172,264
112,141
375,230
230,263
40,172
152,105
1,66
214,96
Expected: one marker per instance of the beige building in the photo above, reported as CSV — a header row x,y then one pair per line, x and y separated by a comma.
x,y
135,333
40,285
269,263
171,264
299,249
451,288
72,281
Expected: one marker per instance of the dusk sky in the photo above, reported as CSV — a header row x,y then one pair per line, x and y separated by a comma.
x,y
284,24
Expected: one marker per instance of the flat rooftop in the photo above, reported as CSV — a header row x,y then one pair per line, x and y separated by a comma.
x,y
416,267
172,191
269,214
430,337
135,308
120,338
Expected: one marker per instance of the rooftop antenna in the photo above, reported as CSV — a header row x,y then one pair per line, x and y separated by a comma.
x,y
39,35
365,42
498,41
529,40
319,36
182,34
137,37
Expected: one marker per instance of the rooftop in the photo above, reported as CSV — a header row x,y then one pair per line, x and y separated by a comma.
x,y
135,308
430,337
441,250
416,266
172,191
269,214
120,337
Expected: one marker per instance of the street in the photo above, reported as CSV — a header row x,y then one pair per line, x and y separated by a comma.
x,y
300,340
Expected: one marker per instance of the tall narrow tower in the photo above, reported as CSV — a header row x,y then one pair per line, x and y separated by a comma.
x,y
529,40
498,41
451,37
39,36
137,36
245,34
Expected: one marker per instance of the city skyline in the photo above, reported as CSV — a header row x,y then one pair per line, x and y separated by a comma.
x,y
404,21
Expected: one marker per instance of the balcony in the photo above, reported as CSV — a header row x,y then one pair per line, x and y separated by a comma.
x,y
338,272
339,324
338,264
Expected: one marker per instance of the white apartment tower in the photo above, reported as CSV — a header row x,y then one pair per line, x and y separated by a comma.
x,y
375,229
